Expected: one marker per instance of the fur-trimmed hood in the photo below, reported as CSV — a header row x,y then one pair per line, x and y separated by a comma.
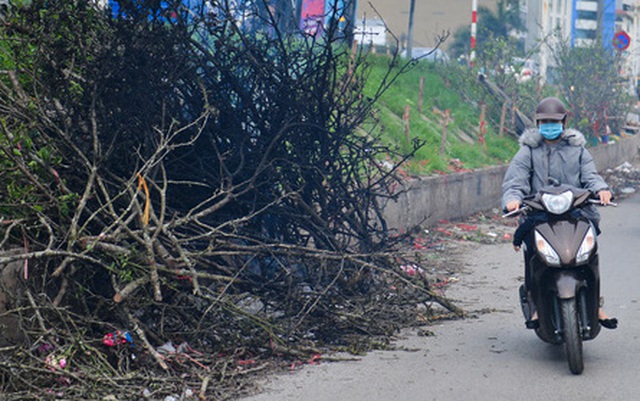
x,y
532,137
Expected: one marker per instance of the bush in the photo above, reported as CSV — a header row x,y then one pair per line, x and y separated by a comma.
x,y
183,179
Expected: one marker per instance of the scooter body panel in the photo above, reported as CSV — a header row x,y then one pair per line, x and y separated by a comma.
x,y
562,279
566,237
550,284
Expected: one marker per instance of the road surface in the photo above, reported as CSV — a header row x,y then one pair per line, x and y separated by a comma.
x,y
493,357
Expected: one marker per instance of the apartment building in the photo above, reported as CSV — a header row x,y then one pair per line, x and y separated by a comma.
x,y
547,22
578,22
592,20
628,20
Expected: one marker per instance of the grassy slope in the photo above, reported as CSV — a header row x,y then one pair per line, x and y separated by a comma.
x,y
462,138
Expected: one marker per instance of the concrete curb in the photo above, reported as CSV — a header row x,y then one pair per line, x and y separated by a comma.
x,y
452,196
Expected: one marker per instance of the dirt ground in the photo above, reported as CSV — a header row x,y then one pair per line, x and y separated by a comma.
x,y
441,250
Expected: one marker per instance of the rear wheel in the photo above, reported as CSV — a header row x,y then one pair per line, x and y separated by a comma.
x,y
571,334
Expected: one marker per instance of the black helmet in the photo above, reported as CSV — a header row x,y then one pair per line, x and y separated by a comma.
x,y
550,108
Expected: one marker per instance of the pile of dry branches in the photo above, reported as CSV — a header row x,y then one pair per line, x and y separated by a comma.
x,y
185,200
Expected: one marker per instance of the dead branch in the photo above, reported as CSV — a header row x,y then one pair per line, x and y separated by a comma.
x,y
220,196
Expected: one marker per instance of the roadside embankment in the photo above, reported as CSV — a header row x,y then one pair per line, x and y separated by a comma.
x,y
428,199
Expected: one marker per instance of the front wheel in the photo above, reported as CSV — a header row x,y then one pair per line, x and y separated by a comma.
x,y
571,334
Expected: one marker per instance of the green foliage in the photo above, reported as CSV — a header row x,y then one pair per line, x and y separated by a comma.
x,y
588,79
491,26
22,158
184,134
446,87
67,203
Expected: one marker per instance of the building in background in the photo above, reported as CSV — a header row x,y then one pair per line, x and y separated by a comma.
x,y
593,20
371,32
578,22
431,18
628,21
546,21
386,22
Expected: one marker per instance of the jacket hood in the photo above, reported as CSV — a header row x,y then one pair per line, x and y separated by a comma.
x,y
532,137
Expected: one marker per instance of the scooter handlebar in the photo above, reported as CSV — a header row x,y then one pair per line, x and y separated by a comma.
x,y
597,202
525,208
516,212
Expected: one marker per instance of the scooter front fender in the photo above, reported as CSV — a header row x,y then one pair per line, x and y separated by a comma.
x,y
567,286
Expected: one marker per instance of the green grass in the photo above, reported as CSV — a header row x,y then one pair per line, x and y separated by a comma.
x,y
462,142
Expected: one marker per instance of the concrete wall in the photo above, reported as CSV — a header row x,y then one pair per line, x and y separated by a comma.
x,y
453,196
614,154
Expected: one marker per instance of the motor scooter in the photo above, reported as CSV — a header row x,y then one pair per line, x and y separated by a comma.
x,y
561,259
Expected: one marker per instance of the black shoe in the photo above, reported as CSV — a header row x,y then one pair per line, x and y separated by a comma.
x,y
532,324
609,323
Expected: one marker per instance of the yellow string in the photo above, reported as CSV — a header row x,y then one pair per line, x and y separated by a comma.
x,y
147,203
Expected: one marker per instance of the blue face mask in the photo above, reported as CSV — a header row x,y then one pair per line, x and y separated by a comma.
x,y
551,131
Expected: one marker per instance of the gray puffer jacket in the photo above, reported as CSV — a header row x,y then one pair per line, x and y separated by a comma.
x,y
567,161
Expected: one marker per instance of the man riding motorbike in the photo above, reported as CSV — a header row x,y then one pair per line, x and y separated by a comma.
x,y
547,153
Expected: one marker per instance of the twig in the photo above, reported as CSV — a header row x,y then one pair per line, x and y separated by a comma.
x,y
129,288
145,342
61,292
203,388
36,311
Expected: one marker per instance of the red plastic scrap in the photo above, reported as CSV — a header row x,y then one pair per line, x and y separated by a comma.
x,y
441,284
315,359
444,231
183,277
467,227
418,243
412,270
421,243
117,338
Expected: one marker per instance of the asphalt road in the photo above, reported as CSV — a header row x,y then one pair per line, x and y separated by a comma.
x,y
493,357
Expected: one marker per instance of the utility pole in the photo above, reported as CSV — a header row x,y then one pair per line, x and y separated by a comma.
x,y
410,34
474,20
351,14
298,15
545,30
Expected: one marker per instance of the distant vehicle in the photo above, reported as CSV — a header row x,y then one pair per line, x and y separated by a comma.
x,y
427,53
524,69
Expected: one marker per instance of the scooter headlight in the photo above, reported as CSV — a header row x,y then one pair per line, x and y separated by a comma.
x,y
588,242
548,253
558,204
